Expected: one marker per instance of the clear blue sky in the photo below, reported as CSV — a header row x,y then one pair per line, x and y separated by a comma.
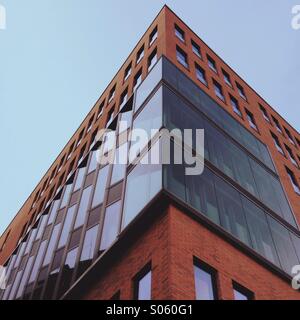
x,y
57,56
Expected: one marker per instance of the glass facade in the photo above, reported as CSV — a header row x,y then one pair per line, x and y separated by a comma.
x,y
239,192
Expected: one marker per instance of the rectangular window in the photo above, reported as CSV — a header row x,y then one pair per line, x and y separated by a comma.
x,y
277,125
181,57
89,244
124,98
111,225
100,110
277,143
137,79
80,138
83,206
67,227
100,186
140,55
291,155
218,90
127,72
112,94
293,181
264,113
153,36
241,91
205,282
90,124
110,116
251,120
241,293
152,59
235,106
200,74
226,77
196,49
179,33
142,284
212,64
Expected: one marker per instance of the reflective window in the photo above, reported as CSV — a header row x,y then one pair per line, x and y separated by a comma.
x,y
148,85
181,57
211,63
125,121
143,287
204,284
89,244
196,49
51,245
41,226
15,285
120,164
241,293
83,206
66,196
153,36
200,74
100,186
30,240
143,183
179,33
93,161
111,225
284,245
24,277
37,262
52,213
79,179
67,226
152,59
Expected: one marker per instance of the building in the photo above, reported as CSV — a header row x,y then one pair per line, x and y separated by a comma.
x,y
150,231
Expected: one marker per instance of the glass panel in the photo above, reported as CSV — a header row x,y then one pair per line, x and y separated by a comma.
x,y
120,164
53,211
51,245
41,226
149,120
38,261
83,207
260,232
143,183
231,211
30,240
284,246
89,244
15,285
239,296
148,85
20,254
79,179
24,277
111,225
93,161
144,287
67,226
65,199
125,121
203,284
100,186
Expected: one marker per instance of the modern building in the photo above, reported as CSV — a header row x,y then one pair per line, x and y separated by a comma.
x,y
150,231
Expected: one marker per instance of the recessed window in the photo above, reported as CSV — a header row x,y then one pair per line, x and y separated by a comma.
x,y
241,91
70,151
112,94
212,64
251,120
290,137
181,57
80,138
277,143
153,36
179,33
90,124
200,74
293,180
140,55
205,282
277,125
241,293
137,79
100,110
196,49
291,155
89,244
152,59
218,90
142,284
110,117
127,72
235,106
124,98
264,113
226,77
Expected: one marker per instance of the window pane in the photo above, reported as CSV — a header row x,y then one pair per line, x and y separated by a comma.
x,y
93,161
66,196
203,285
67,226
144,287
111,225
38,261
120,164
100,186
83,206
24,277
239,296
231,211
51,245
79,179
260,232
89,244
53,211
